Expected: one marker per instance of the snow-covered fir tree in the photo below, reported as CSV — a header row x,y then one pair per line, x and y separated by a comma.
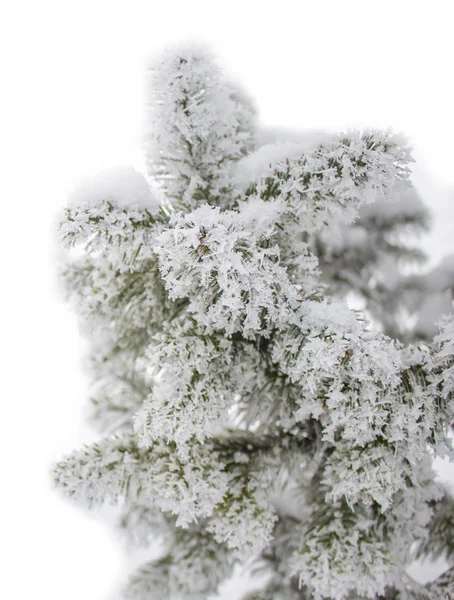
x,y
245,411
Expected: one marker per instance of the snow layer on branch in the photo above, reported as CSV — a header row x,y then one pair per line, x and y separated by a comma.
x,y
327,541
131,303
121,236
192,391
363,389
324,186
123,186
115,468
196,380
328,559
226,267
264,161
196,126
207,483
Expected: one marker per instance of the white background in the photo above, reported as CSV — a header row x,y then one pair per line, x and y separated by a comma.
x,y
71,103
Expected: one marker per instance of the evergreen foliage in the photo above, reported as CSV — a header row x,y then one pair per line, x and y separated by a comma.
x,y
245,410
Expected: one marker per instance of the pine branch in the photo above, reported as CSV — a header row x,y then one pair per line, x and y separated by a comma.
x,y
198,126
252,414
440,540
192,566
